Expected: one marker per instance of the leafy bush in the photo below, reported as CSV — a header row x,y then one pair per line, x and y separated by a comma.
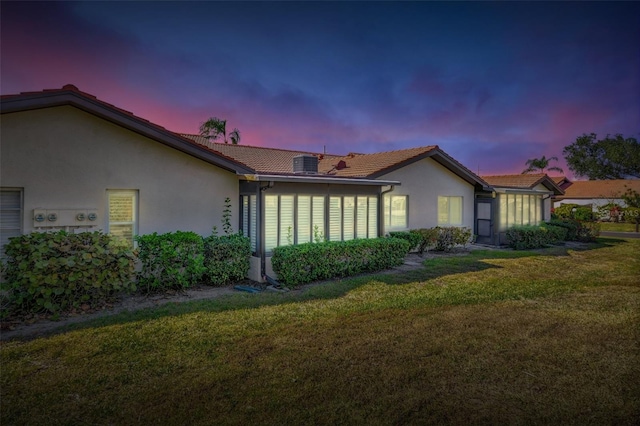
x,y
570,225
574,211
413,237
226,258
170,261
58,271
428,238
304,263
588,231
442,238
557,233
530,237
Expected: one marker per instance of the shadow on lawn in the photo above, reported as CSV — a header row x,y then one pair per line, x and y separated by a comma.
x,y
434,266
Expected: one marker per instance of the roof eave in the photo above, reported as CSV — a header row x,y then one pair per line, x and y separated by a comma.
x,y
314,179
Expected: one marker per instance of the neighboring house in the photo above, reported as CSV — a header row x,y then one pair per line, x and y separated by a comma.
x,y
596,193
523,199
338,198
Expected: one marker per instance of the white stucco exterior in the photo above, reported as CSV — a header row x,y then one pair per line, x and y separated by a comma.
x,y
423,181
65,158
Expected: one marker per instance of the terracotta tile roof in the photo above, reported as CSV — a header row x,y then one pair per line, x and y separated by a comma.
x,y
280,161
262,160
600,188
523,181
527,181
373,165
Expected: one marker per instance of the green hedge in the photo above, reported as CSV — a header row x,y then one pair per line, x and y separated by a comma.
x,y
304,263
569,224
174,260
226,258
413,238
58,271
532,237
588,231
442,238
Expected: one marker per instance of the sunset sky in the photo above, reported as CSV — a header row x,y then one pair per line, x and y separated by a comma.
x,y
493,84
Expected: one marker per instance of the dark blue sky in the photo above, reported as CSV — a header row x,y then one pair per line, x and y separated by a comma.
x,y
492,83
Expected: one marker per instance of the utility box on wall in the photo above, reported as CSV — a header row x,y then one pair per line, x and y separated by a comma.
x,y
61,218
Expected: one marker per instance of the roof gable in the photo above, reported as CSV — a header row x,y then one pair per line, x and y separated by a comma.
x,y
70,95
523,181
354,165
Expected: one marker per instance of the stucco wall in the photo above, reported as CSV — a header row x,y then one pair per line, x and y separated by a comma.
x,y
64,158
425,180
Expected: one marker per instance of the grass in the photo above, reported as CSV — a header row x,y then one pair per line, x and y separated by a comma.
x,y
549,336
617,227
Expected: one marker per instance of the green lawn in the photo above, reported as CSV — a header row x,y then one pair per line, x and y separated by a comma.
x,y
617,227
491,337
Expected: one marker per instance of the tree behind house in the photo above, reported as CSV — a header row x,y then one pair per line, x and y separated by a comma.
x,y
540,165
215,128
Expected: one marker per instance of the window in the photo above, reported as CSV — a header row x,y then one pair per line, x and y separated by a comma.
x,y
395,212
10,216
249,219
519,209
123,212
297,219
449,211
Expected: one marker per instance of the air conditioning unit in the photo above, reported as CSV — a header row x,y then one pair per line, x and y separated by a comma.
x,y
305,164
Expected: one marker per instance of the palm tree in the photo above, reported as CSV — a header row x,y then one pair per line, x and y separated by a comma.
x,y
214,127
540,164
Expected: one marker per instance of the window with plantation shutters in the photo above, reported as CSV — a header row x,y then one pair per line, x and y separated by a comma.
x,y
304,219
317,219
335,218
123,212
286,220
249,220
270,222
361,217
348,220
373,217
10,216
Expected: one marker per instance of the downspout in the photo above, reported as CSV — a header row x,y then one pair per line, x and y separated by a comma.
x,y
381,211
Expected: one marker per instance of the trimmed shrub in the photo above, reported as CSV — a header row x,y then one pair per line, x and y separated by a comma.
x,y
414,238
57,271
558,233
588,231
304,263
529,237
428,238
170,261
226,258
570,225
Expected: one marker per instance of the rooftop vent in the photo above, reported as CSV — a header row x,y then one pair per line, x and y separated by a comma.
x,y
305,164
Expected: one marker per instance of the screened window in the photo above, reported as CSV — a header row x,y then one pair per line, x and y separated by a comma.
x,y
449,211
395,212
123,212
10,216
519,209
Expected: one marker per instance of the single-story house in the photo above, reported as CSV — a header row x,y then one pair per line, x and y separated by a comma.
x,y
71,161
523,199
596,193
346,197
